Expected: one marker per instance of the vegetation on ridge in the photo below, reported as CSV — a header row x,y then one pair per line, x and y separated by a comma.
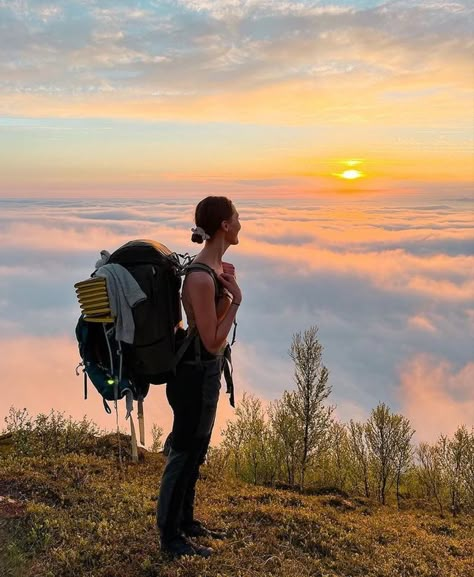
x,y
296,441
81,515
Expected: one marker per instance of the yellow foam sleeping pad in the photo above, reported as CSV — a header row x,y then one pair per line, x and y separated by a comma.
x,y
94,300
95,308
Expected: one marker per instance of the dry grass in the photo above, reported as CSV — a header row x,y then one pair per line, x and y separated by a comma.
x,y
77,516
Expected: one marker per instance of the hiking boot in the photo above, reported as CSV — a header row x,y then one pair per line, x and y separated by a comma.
x,y
201,550
197,529
180,546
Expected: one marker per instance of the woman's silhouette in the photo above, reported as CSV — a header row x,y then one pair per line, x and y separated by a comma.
x,y
211,297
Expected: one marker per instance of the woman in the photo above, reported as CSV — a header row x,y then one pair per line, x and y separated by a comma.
x,y
211,297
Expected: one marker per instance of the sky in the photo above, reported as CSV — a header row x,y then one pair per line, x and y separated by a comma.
x,y
162,96
342,130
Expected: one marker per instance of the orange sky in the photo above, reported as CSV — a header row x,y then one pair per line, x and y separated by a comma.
x,y
93,100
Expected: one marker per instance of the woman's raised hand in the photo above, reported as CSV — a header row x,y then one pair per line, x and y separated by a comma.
x,y
228,268
229,282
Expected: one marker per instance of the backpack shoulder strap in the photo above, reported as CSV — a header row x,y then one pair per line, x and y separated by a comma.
x,y
205,268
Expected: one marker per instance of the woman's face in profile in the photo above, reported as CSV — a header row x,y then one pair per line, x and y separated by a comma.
x,y
234,227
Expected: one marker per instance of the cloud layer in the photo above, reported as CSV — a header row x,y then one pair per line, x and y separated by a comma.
x,y
389,283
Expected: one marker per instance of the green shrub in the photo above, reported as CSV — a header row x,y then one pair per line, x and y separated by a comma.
x,y
49,434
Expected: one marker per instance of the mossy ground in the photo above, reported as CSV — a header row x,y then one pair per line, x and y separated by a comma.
x,y
78,516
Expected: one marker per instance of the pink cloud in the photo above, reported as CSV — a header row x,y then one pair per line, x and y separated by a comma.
x,y
75,238
38,373
435,397
392,270
337,240
353,228
422,323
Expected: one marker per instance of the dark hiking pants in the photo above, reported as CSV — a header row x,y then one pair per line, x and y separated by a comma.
x,y
193,396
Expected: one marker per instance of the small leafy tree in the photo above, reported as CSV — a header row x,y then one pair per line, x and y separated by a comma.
x,y
339,453
306,402
455,452
403,452
19,424
360,458
250,434
431,473
157,438
254,434
284,424
388,436
468,470
232,441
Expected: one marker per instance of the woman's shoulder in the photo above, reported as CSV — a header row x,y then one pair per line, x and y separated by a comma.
x,y
202,269
203,276
199,278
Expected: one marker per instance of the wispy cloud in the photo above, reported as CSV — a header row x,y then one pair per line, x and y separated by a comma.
x,y
422,323
193,51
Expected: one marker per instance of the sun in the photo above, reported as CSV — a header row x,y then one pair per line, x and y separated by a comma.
x,y
351,174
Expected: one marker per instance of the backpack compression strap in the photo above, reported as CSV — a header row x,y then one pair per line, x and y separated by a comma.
x,y
228,375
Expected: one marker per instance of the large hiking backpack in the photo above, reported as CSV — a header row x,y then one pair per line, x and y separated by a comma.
x,y
119,369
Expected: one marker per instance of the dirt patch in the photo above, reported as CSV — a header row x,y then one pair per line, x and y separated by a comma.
x,y
339,503
11,508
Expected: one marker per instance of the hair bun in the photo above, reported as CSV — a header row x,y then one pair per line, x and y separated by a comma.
x,y
197,238
199,235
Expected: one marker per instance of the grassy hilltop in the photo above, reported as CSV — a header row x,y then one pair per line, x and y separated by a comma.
x,y
79,515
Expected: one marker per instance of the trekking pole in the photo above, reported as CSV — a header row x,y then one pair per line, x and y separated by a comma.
x,y
118,437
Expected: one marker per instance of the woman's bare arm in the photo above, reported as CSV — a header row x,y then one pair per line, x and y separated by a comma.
x,y
212,328
222,307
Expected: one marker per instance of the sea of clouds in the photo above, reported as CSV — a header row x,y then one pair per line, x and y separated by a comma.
x,y
388,280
